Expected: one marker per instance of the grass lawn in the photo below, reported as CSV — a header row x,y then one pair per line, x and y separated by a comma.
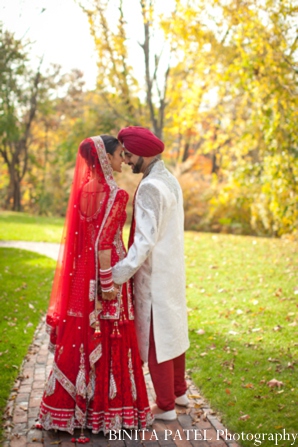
x,y
243,318
24,227
25,282
242,297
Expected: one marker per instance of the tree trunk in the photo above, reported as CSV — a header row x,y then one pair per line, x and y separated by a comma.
x,y
215,167
185,152
13,199
16,206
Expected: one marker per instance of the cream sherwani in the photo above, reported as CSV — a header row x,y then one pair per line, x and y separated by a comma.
x,y
156,260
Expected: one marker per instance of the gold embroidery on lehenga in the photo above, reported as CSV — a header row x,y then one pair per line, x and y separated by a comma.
x,y
131,376
81,387
64,381
92,289
91,384
108,174
47,421
130,306
50,385
113,387
95,355
70,424
92,318
119,245
80,416
116,423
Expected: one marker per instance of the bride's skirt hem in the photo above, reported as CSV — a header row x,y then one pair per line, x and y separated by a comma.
x,y
114,419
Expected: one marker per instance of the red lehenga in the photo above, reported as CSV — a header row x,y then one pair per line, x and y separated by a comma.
x,y
96,379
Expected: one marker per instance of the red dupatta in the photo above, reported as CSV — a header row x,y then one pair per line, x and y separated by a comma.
x,y
92,196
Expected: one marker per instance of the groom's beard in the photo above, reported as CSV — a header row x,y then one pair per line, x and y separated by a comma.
x,y
137,167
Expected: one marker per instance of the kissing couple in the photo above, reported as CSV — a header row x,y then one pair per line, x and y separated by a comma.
x,y
113,310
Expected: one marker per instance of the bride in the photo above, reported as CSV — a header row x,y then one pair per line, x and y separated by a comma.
x,y
96,379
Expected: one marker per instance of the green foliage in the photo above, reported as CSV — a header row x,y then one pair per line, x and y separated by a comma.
x,y
242,296
19,93
25,285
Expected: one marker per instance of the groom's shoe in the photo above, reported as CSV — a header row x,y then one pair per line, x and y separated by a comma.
x,y
182,400
163,415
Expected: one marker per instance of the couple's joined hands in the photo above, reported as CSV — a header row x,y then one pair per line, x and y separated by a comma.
x,y
111,295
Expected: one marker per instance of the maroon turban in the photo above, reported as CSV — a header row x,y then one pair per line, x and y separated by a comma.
x,y
140,141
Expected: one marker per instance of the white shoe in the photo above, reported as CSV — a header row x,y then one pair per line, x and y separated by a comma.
x,y
166,415
182,400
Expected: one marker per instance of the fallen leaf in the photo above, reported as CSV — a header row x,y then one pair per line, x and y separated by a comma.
x,y
273,360
196,405
195,421
194,396
200,332
244,417
273,383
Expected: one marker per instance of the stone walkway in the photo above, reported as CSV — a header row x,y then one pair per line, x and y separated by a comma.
x,y
196,426
43,248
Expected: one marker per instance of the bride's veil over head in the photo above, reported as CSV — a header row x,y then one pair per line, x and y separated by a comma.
x,y
92,195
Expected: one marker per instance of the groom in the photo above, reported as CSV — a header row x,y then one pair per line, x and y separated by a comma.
x,y
155,260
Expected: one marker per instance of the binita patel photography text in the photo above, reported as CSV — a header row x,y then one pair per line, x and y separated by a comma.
x,y
202,435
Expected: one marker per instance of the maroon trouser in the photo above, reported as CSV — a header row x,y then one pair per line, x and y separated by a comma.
x,y
168,377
